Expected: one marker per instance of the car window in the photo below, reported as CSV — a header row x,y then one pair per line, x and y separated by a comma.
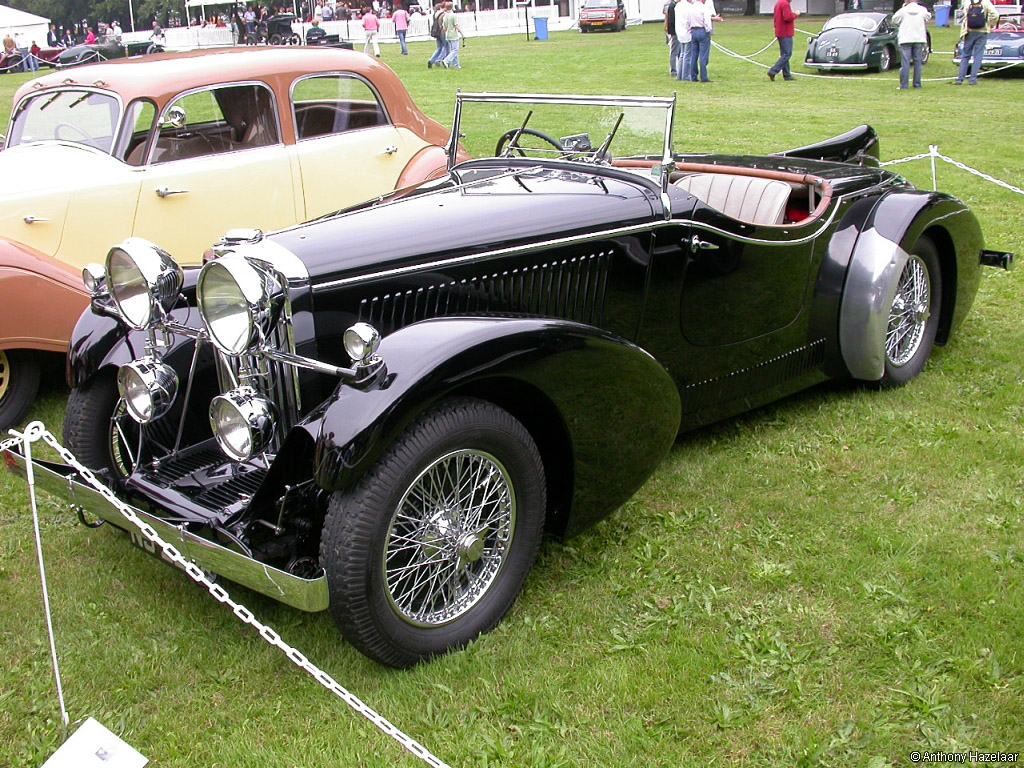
x,y
74,115
139,118
851,21
601,4
329,104
216,120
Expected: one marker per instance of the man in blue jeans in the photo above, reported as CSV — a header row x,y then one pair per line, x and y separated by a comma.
x,y
785,28
979,17
912,19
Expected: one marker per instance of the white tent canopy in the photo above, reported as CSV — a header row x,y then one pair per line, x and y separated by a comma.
x,y
32,28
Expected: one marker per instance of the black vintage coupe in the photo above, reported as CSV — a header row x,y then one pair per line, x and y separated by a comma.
x,y
856,41
90,53
380,412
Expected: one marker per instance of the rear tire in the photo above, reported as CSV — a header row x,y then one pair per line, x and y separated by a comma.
x,y
914,316
885,59
19,384
431,548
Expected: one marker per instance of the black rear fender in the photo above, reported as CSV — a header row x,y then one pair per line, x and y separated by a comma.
x,y
886,229
602,411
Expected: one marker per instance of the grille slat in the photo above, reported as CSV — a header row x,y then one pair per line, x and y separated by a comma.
x,y
573,289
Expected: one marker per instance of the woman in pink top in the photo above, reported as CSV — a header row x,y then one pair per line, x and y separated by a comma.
x,y
371,24
90,39
401,19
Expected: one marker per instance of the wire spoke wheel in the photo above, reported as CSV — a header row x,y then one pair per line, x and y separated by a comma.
x,y
909,314
5,374
449,538
432,546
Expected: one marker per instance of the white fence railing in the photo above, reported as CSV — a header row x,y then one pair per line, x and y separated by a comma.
x,y
472,24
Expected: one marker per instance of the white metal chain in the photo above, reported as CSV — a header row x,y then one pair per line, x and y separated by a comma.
x,y
36,430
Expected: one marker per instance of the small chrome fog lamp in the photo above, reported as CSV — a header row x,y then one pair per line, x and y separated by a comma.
x,y
239,301
242,422
361,341
95,278
147,387
144,281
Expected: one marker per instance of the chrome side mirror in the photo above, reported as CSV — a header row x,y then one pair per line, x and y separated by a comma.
x,y
175,118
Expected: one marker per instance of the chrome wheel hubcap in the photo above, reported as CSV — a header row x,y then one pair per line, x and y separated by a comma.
x,y
449,538
909,314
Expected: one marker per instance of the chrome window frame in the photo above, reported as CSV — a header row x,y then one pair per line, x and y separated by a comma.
x,y
275,107
118,125
381,103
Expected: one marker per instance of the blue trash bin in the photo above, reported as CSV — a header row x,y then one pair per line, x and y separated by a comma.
x,y
540,28
942,15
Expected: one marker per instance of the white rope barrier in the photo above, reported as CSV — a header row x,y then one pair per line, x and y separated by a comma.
x,y
933,154
848,78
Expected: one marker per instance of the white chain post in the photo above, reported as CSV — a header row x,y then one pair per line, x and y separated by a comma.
x,y
221,595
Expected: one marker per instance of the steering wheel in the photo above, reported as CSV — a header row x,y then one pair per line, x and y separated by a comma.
x,y
87,139
505,142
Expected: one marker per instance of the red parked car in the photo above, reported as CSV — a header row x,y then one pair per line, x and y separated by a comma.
x,y
603,14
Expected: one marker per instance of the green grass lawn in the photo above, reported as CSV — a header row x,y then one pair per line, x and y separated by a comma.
x,y
835,580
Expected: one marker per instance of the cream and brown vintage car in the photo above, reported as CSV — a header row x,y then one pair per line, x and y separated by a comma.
x,y
178,148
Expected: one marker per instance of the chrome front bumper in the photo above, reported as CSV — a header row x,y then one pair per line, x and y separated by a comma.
x,y
60,480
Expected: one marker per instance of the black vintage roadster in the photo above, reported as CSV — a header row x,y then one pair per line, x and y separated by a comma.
x,y
380,412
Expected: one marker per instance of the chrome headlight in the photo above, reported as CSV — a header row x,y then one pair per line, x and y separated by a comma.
x,y
144,281
361,341
242,422
94,276
239,301
147,387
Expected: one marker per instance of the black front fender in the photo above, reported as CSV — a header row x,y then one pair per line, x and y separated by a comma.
x,y
603,411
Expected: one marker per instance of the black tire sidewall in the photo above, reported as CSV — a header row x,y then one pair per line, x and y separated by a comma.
x,y
87,424
895,376
22,386
365,614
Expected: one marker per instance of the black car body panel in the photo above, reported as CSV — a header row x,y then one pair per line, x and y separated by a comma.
x,y
603,305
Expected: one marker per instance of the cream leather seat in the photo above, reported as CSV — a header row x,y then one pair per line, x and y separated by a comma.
x,y
746,198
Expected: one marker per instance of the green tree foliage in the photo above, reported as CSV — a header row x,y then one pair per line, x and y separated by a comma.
x,y
65,12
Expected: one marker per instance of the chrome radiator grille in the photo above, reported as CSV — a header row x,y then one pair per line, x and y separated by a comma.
x,y
572,289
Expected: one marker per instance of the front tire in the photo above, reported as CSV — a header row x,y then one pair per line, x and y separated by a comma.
x,y
431,548
914,316
19,383
98,429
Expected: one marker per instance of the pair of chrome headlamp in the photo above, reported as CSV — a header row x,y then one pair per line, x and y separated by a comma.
x,y
239,302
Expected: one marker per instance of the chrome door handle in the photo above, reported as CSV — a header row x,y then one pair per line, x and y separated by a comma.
x,y
696,244
165,192
33,219
390,149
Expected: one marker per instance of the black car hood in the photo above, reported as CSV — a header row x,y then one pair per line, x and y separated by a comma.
x,y
494,207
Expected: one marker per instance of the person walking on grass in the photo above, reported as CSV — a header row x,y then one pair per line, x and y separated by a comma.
x,y
437,32
979,18
401,19
371,24
452,36
912,36
785,28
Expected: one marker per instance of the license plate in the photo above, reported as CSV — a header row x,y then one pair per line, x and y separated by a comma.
x,y
994,51
149,547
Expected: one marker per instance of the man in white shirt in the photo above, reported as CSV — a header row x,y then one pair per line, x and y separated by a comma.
x,y
912,36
